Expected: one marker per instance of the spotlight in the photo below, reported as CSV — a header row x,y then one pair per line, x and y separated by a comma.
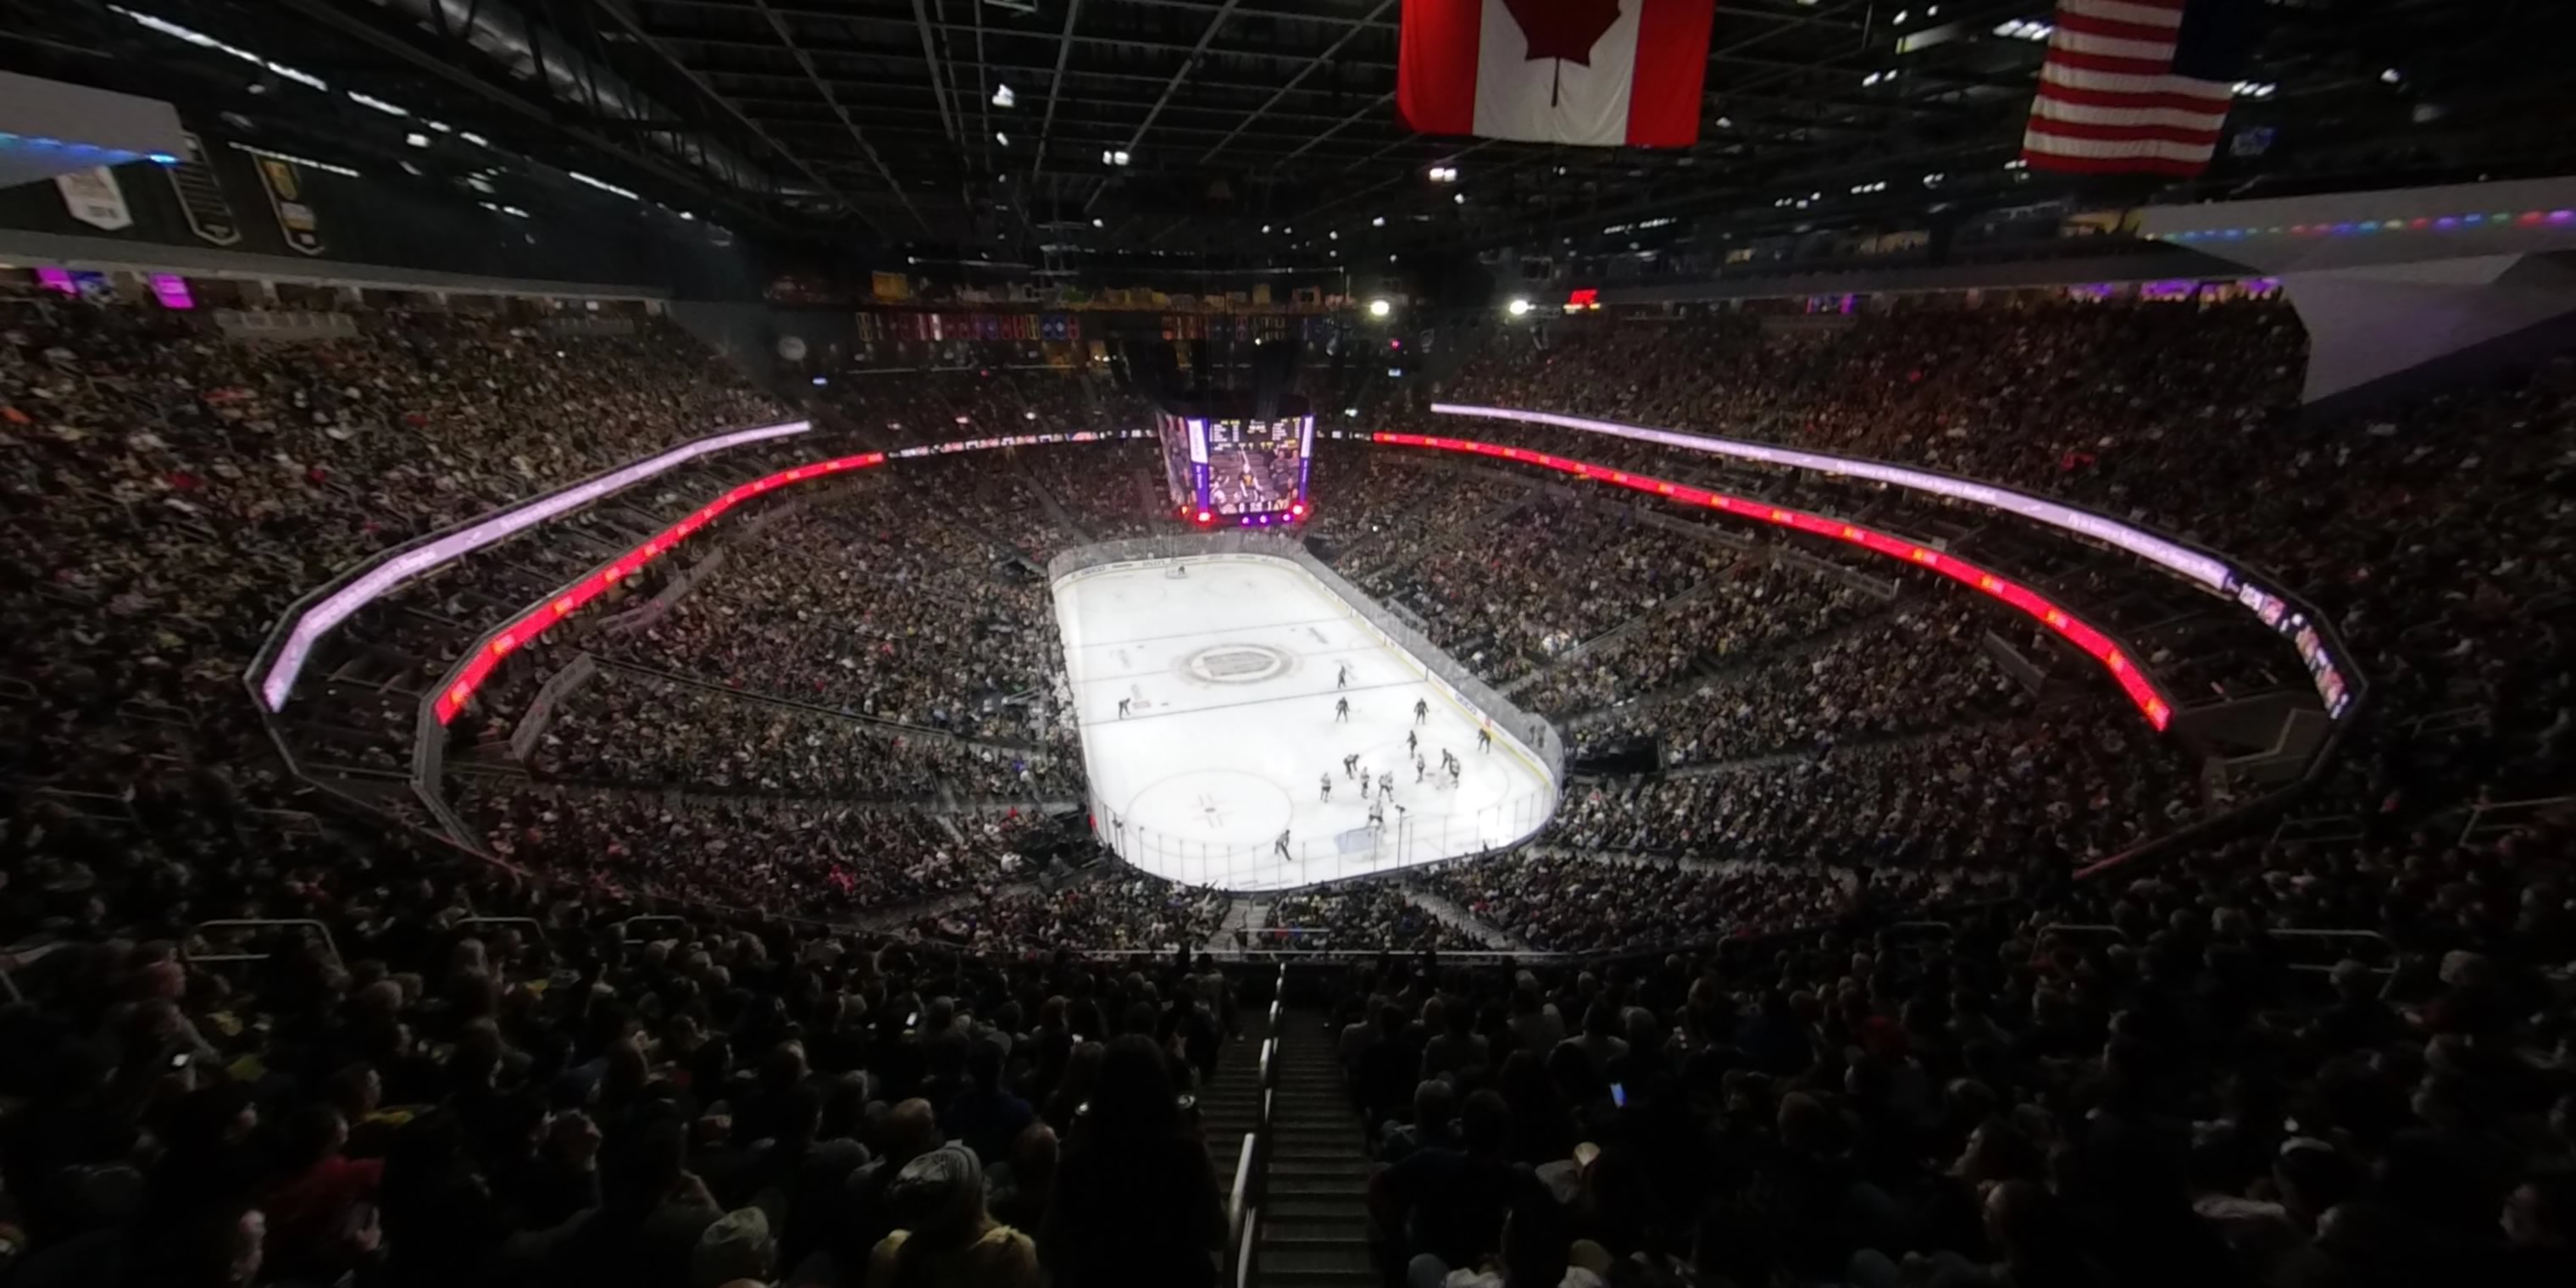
x,y
819,381
1380,308
1003,97
1001,138
1031,414
1518,307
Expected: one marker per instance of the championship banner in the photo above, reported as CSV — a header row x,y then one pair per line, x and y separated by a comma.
x,y
295,219
210,213
93,198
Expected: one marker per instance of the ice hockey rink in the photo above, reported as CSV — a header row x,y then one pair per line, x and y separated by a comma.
x,y
1229,674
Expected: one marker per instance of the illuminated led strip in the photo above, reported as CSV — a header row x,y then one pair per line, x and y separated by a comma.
x,y
324,617
489,651
2132,681
2182,559
468,677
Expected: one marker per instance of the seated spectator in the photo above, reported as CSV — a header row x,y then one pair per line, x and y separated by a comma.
x,y
945,1237
984,1117
1448,1204
1136,1198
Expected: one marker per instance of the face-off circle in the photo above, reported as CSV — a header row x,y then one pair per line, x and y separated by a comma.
x,y
1236,664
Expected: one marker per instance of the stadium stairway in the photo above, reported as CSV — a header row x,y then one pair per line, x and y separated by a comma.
x,y
1314,1216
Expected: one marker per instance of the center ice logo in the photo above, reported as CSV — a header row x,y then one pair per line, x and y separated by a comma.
x,y
1236,663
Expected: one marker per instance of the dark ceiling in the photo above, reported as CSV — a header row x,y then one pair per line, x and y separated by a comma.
x,y
1265,132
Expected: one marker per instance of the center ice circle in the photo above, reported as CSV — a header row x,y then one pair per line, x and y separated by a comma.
x,y
1236,664
1220,809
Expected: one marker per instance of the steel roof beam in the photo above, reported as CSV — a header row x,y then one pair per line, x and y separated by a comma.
x,y
788,38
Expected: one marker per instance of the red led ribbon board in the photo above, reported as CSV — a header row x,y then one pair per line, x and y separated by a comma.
x,y
509,639
2132,681
2142,692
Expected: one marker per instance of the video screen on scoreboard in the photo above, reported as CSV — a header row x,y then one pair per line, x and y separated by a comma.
x,y
1232,466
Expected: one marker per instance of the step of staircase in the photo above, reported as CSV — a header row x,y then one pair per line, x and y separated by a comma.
x,y
1314,1213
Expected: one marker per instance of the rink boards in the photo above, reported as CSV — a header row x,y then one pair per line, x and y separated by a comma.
x,y
1230,678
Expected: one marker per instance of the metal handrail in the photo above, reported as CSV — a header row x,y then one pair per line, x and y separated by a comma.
x,y
2477,825
1238,1202
329,944
1243,1249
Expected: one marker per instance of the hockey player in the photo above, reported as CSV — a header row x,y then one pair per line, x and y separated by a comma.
x,y
1386,784
1342,711
1453,775
1377,816
1484,740
1342,678
1328,789
1412,741
1282,846
1350,764
1417,766
1122,707
1421,710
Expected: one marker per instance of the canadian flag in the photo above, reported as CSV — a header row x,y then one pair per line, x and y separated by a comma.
x,y
1599,73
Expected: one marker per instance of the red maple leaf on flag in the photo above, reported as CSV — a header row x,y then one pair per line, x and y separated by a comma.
x,y
1566,29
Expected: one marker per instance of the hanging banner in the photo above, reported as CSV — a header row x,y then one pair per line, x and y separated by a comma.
x,y
93,197
295,219
890,286
210,214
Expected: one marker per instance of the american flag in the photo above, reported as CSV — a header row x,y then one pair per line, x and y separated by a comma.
x,y
2136,86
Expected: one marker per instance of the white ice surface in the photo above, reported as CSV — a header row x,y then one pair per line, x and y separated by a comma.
x,y
1204,772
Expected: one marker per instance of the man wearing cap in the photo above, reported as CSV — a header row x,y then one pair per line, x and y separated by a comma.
x,y
736,1249
944,1236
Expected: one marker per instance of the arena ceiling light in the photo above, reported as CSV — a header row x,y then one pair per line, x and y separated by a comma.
x,y
1444,174
1113,156
1381,308
1003,97
1519,307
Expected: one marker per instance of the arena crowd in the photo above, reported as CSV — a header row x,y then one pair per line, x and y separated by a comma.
x,y
1837,1006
